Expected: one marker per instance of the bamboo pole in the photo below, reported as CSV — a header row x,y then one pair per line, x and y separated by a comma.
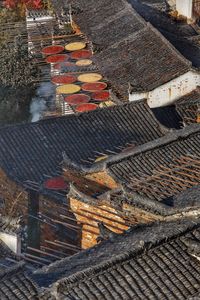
x,y
53,250
178,178
186,163
155,188
60,245
184,174
55,37
43,252
73,227
39,258
32,260
103,216
170,187
70,245
186,169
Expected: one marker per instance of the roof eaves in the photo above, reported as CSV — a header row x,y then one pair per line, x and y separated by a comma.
x,y
142,245
170,137
168,44
156,207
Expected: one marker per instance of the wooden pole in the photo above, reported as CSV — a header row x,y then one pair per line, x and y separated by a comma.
x,y
33,222
44,253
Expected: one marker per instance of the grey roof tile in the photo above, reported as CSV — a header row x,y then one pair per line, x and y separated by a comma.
x,y
31,151
148,262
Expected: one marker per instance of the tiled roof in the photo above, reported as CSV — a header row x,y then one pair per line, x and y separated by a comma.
x,y
31,151
138,58
187,197
98,9
10,225
144,60
188,106
115,18
158,4
5,251
162,169
8,259
148,262
15,284
182,36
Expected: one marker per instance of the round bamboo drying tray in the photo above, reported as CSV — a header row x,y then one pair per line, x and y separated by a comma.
x,y
68,89
64,79
52,59
75,46
84,62
77,99
81,54
89,77
86,107
94,86
53,49
100,96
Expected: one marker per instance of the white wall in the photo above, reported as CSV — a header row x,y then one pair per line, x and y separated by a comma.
x,y
168,93
184,7
12,241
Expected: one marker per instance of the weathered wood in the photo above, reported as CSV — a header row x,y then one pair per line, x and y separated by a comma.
x,y
44,253
33,223
60,245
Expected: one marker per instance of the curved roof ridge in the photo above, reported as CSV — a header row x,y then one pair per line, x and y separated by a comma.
x,y
170,137
71,116
139,238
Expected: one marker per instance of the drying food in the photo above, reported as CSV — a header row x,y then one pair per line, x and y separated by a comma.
x,y
68,89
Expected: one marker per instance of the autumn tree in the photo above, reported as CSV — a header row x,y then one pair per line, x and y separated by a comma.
x,y
16,67
18,75
34,4
20,6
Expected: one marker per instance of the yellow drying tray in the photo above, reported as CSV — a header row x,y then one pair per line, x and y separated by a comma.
x,y
89,77
75,46
68,89
84,62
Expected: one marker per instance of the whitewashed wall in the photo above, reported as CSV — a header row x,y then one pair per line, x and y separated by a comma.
x,y
168,93
184,7
12,241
